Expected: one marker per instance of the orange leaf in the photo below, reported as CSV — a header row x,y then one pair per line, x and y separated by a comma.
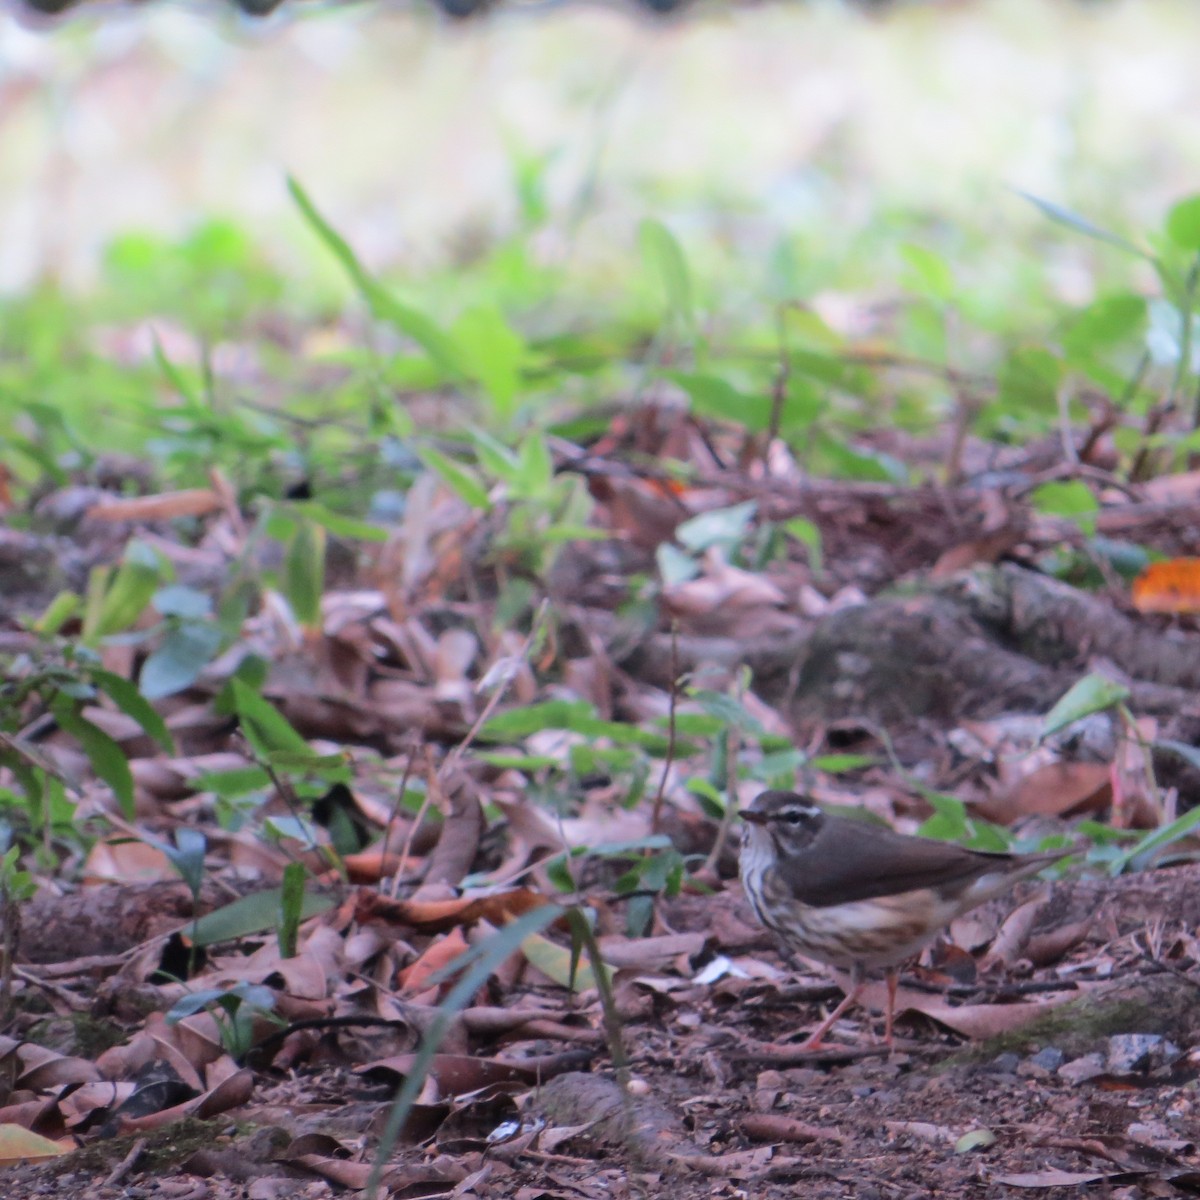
x,y
370,866
435,916
1169,587
414,978
121,860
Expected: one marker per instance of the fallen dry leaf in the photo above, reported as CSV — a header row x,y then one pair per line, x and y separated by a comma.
x,y
19,1145
414,978
1172,586
1056,1179
977,1021
437,916
1057,789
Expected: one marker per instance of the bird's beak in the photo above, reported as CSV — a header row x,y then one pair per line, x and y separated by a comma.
x,y
752,816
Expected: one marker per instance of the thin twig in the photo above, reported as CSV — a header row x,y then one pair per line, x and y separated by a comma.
x,y
669,759
394,815
455,755
126,1164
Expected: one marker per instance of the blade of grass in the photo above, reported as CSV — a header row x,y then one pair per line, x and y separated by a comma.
x,y
482,960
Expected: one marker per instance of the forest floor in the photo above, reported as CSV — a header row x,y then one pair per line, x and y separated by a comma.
x,y
1053,1042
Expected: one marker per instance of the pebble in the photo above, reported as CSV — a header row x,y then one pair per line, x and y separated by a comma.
x,y
1049,1057
1079,1070
1005,1064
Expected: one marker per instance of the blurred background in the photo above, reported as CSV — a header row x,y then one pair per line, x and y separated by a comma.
x,y
423,138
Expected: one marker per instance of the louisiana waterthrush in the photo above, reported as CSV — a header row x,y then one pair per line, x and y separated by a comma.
x,y
859,896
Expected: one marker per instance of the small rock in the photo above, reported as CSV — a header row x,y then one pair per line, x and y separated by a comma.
x,y
1080,1070
1049,1057
1005,1064
803,1077
1138,1053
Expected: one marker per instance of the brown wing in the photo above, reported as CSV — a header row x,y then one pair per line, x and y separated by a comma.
x,y
848,860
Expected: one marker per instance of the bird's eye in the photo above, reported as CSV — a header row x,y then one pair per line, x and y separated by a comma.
x,y
794,816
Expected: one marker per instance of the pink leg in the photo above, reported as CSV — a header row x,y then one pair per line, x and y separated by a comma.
x,y
816,1039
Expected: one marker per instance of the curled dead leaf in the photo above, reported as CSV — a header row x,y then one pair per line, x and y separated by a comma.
x,y
437,916
1058,789
416,976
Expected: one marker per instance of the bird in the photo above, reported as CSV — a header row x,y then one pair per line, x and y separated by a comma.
x,y
858,896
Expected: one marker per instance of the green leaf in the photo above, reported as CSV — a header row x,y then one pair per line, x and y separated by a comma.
x,y
835,764
331,767
1183,223
724,528
252,914
1064,216
422,329
174,376
535,468
187,856
922,329
339,525
930,273
291,907
949,821
528,763
194,1002
1155,840
1068,498
712,396
176,600
575,715
492,352
803,530
1029,379
1104,325
532,718
461,479
1091,694
229,999
729,712
558,871
494,456
674,565
304,573
440,348
107,758
557,963
133,704
780,767
238,782
185,651
265,727
59,611
124,600
298,829
844,460
664,256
